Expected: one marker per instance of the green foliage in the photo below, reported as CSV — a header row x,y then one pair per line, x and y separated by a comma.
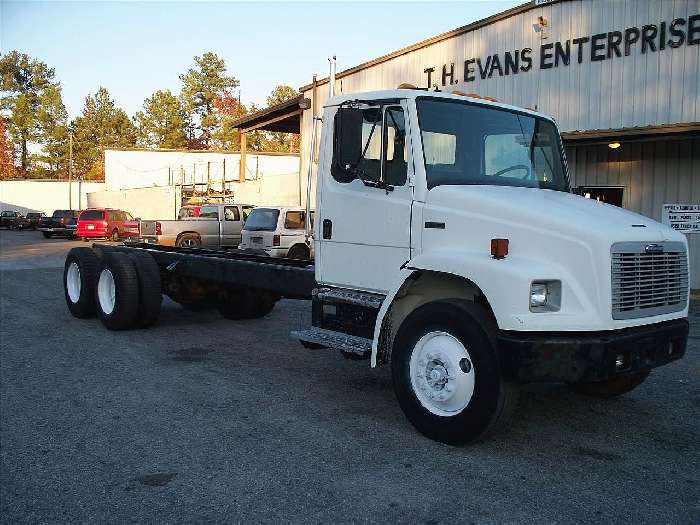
x,y
52,133
201,86
24,81
278,141
101,125
163,122
281,94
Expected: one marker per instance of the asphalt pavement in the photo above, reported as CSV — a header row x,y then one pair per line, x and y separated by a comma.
x,y
200,419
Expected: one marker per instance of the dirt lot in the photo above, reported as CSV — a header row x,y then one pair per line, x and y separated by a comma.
x,y
203,419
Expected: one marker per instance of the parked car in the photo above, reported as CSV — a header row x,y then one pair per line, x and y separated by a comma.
x,y
9,219
279,232
61,222
218,225
34,217
104,223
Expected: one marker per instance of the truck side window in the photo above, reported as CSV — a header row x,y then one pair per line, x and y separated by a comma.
x,y
231,213
295,220
395,166
357,153
209,212
246,211
358,134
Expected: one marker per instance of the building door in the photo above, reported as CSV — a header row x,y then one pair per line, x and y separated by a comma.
x,y
607,194
364,209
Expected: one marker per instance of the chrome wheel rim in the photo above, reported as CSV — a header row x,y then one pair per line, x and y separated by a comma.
x,y
73,284
442,374
106,292
189,243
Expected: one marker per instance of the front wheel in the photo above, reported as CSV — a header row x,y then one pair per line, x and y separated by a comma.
x,y
189,240
446,373
115,236
612,387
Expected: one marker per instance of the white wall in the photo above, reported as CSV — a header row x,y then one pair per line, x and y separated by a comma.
x,y
125,169
146,203
31,195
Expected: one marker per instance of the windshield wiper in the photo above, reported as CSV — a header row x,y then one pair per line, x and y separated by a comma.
x,y
362,175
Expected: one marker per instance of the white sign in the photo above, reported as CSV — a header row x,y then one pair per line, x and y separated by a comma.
x,y
684,218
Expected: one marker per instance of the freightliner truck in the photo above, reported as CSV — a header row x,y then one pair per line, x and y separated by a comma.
x,y
449,247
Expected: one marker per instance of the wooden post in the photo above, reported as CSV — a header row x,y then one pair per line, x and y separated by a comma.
x,y
208,179
223,178
241,174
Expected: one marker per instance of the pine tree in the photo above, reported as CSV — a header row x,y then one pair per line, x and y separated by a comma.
x,y
163,122
201,86
277,140
52,132
101,125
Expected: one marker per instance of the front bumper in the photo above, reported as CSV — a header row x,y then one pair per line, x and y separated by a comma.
x,y
590,356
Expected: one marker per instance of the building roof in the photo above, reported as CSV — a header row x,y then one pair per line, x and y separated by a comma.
x,y
522,8
284,117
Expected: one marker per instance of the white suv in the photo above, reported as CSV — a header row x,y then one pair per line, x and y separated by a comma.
x,y
278,231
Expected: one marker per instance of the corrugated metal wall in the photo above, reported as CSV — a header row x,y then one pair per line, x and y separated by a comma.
x,y
652,173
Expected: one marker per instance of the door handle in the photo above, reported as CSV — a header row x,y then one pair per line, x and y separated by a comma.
x,y
327,228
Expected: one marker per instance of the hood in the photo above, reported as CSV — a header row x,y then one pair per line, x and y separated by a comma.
x,y
551,211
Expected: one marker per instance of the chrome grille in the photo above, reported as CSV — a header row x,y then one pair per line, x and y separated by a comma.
x,y
646,282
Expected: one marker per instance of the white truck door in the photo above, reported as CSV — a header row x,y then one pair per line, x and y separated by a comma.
x,y
365,200
231,226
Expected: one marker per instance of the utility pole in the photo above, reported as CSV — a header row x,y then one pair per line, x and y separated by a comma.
x,y
70,171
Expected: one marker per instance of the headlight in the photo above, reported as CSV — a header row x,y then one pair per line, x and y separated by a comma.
x,y
545,296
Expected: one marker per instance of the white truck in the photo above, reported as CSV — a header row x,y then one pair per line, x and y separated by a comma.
x,y
447,246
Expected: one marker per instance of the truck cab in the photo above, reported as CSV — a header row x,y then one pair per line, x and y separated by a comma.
x,y
448,244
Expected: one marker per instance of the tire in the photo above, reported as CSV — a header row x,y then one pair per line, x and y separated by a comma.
x,y
150,295
248,304
117,291
102,250
189,240
439,336
114,237
84,239
613,387
300,252
79,278
46,235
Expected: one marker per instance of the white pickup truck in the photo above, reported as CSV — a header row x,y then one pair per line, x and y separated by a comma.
x,y
447,246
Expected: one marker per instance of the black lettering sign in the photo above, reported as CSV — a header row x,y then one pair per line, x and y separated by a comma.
x,y
602,46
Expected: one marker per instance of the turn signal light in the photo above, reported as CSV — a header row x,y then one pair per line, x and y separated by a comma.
x,y
159,229
275,240
499,248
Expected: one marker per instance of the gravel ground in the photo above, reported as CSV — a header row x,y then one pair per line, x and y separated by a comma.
x,y
203,419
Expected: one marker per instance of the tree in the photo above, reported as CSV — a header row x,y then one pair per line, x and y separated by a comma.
x,y
278,141
201,85
7,167
52,131
228,109
101,125
163,122
24,80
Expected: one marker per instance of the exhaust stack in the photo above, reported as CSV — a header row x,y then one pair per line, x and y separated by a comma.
x,y
331,77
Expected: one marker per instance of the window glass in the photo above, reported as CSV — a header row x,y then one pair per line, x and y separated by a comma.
x,y
395,166
467,143
185,213
246,211
295,220
92,215
231,213
128,216
358,146
209,212
262,219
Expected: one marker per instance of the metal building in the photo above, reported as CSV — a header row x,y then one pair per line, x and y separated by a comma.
x,y
621,77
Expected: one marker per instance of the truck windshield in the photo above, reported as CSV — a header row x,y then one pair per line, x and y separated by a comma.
x,y
262,219
466,143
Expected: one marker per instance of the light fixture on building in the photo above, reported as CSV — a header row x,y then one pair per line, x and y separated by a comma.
x,y
614,145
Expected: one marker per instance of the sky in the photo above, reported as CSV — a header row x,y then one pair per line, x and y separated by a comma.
x,y
136,48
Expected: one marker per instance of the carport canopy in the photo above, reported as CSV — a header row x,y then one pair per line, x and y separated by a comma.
x,y
284,117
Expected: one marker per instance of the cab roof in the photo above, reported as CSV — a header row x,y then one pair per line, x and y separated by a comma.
x,y
389,94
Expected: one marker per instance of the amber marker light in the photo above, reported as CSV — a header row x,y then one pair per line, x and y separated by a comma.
x,y
499,248
614,145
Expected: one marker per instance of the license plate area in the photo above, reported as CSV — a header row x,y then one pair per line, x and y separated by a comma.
x,y
256,240
90,226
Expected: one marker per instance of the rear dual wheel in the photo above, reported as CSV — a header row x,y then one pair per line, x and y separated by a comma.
x,y
79,277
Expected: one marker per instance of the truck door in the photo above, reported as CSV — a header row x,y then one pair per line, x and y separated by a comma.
x,y
364,208
231,226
